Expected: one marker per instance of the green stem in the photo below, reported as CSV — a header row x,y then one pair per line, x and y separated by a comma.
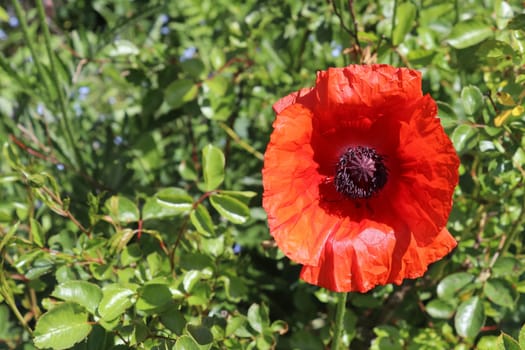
x,y
392,32
515,229
339,320
25,33
64,121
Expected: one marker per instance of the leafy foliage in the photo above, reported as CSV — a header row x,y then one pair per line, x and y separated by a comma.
x,y
133,135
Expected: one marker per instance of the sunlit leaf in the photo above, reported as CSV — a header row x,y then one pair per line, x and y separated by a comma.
x,y
62,327
470,317
230,208
469,33
212,167
405,18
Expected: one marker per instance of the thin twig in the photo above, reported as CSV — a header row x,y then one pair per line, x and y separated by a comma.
x,y
354,20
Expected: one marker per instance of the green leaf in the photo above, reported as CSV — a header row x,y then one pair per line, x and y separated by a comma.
x,y
153,298
186,343
201,219
521,337
472,99
469,33
450,285
234,287
176,199
517,22
62,327
37,232
235,323
179,92
493,51
441,309
173,319
258,317
464,137
506,342
230,208
115,300
123,48
506,266
202,335
4,17
405,19
190,278
122,209
500,292
470,317
83,293
212,167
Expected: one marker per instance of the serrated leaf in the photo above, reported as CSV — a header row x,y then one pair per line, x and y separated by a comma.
x,y
405,18
470,317
116,299
472,99
212,167
450,285
469,33
201,220
500,292
180,92
230,208
62,327
84,293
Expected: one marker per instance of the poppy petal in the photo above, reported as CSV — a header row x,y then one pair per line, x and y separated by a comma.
x,y
349,243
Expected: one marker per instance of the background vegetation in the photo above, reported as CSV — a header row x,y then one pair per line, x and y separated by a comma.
x,y
133,136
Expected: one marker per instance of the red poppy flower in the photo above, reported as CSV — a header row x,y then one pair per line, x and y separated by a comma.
x,y
358,178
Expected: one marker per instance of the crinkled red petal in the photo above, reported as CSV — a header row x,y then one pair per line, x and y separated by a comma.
x,y
374,258
345,244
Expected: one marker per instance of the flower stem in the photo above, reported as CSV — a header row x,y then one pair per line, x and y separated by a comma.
x,y
339,320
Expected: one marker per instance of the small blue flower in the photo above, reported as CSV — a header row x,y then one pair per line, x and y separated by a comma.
x,y
40,109
237,248
60,167
164,18
13,21
188,53
164,30
118,140
3,35
83,91
336,49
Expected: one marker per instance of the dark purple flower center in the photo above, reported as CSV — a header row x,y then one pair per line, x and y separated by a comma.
x,y
360,173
